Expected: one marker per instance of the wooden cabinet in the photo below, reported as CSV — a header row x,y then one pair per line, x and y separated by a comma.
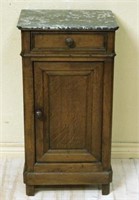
x,y
68,80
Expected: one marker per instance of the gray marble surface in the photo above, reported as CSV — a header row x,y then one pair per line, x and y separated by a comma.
x,y
67,20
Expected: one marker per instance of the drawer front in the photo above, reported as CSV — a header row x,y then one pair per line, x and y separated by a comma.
x,y
93,42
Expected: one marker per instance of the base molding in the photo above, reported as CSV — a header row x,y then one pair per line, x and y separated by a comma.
x,y
119,150
125,150
57,178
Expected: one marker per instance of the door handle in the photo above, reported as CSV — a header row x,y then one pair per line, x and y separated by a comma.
x,y
39,114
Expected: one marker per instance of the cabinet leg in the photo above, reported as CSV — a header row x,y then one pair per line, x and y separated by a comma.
x,y
30,190
106,189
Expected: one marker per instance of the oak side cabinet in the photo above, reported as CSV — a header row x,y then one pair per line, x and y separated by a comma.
x,y
68,64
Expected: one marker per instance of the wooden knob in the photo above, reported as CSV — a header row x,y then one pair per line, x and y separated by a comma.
x,y
70,42
39,114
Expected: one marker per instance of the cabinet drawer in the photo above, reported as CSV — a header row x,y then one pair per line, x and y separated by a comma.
x,y
67,42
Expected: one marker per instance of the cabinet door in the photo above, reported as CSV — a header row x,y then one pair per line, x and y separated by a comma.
x,y
68,109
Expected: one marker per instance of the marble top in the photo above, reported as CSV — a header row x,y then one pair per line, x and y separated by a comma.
x,y
75,20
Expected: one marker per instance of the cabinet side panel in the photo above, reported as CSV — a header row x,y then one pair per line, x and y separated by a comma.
x,y
28,114
25,41
97,110
111,42
107,113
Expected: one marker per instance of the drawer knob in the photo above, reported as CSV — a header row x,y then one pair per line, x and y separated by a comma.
x,y
39,114
70,42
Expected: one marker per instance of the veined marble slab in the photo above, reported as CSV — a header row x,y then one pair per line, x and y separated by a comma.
x,y
75,20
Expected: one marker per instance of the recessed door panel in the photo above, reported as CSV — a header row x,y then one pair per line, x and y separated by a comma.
x,y
67,111
68,96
